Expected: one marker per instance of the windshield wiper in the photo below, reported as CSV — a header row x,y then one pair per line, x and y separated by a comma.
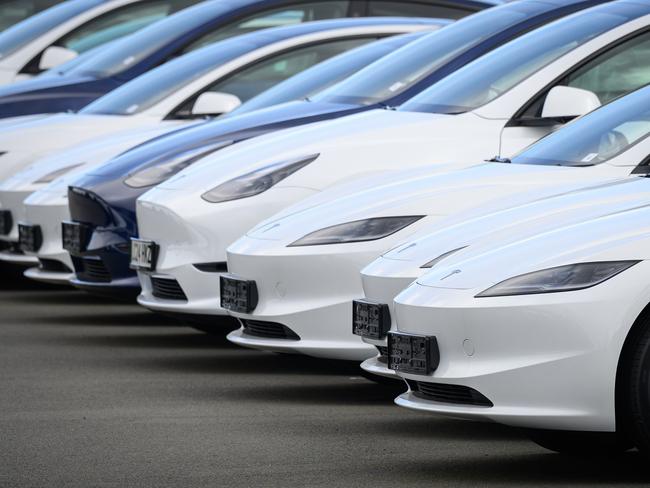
x,y
498,159
385,106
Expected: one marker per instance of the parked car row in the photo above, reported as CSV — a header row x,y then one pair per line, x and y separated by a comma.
x,y
454,197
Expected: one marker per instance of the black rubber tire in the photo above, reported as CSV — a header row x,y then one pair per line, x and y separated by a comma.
x,y
581,443
634,386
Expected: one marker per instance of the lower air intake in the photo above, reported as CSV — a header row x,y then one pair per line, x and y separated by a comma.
x,y
94,270
269,330
443,393
167,289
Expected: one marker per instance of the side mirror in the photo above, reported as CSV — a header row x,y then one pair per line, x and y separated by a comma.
x,y
211,104
568,102
55,56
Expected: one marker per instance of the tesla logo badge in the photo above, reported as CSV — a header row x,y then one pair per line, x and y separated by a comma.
x,y
454,272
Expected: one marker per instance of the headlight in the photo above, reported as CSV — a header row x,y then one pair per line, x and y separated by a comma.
x,y
156,174
50,177
358,231
256,182
435,261
562,278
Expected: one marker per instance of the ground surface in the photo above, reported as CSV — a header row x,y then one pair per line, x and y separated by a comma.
x,y
98,394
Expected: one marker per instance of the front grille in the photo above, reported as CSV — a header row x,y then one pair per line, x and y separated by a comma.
x,y
383,354
11,248
53,266
269,330
443,393
93,270
167,289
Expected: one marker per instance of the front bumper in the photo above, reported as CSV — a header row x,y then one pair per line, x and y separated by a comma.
x,y
193,236
309,291
10,251
544,361
55,264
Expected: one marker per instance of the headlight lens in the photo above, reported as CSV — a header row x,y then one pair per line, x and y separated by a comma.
x,y
358,231
50,177
435,261
257,181
156,174
562,278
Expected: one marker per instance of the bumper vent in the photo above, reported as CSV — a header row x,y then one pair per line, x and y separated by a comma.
x,y
443,393
11,247
53,266
167,289
269,330
92,270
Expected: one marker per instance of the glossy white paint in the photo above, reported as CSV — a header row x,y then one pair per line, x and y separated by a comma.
x,y
545,361
33,140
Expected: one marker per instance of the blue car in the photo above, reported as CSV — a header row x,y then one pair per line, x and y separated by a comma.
x,y
210,21
104,199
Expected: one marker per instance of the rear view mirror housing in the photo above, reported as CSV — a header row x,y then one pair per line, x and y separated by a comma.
x,y
566,102
212,104
55,56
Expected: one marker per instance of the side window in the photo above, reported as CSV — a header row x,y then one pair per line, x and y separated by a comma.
x,y
120,22
258,77
384,8
289,15
616,72
14,11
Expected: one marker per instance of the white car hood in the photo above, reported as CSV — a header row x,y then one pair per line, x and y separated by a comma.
x,y
364,143
620,235
484,189
81,158
26,142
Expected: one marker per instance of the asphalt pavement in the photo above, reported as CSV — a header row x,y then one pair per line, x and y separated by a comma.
x,y
95,393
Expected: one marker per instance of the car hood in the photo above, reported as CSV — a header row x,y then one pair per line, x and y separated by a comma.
x,y
232,129
438,192
25,143
70,163
376,139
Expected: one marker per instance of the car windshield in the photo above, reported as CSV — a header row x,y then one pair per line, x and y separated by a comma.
x,y
145,91
397,72
596,137
131,50
487,78
31,29
325,74
14,11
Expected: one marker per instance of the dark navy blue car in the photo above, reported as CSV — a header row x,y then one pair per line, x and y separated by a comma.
x,y
208,22
104,200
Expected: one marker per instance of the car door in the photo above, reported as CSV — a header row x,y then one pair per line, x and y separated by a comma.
x,y
615,71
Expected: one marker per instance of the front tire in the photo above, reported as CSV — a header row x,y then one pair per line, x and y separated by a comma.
x,y
634,409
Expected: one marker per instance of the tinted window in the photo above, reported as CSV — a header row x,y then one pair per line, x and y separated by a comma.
x,y
325,74
14,11
132,50
596,137
397,72
497,72
396,8
120,22
145,91
279,17
263,75
24,32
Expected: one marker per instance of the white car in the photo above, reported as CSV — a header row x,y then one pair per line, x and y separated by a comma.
x,y
335,239
207,82
47,206
61,33
549,333
193,217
